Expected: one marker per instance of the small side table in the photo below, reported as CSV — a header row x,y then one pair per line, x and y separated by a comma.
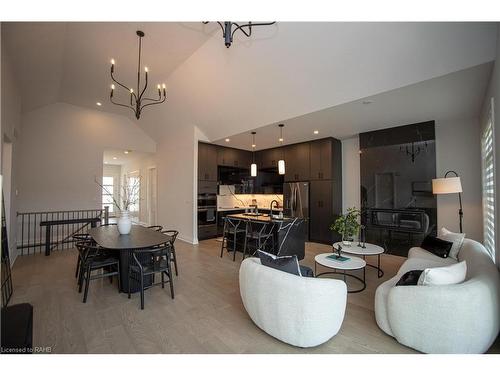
x,y
369,250
353,263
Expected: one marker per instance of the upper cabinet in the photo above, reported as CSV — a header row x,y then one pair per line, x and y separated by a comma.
x,y
326,159
231,157
267,159
297,158
207,162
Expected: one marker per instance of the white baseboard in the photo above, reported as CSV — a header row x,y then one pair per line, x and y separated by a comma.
x,y
189,241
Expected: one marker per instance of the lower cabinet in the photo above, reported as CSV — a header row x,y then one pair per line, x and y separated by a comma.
x,y
325,206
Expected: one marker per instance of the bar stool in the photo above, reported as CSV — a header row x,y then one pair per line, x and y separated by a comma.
x,y
233,227
259,234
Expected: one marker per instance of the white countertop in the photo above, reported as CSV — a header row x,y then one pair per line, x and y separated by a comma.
x,y
244,208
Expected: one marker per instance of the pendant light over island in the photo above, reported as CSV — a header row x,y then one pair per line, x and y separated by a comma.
x,y
253,166
281,162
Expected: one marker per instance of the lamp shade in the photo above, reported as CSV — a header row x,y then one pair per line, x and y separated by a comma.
x,y
446,185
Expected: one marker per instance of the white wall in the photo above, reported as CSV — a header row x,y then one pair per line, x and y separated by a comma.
x,y
62,152
177,159
350,173
10,130
494,92
458,148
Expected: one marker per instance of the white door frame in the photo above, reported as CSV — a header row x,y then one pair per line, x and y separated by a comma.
x,y
154,220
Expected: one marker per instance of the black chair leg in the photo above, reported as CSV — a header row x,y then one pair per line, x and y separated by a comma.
x,y
162,280
171,280
129,281
175,260
245,244
77,267
142,291
234,246
81,277
87,281
223,239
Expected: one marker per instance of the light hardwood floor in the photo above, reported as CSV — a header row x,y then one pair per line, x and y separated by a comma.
x,y
206,316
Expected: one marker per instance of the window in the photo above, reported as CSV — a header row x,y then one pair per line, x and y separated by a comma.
x,y
133,182
107,192
488,182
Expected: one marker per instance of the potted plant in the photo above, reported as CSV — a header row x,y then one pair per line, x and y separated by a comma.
x,y
347,225
128,197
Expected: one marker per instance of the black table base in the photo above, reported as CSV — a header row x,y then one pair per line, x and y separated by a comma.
x,y
345,275
126,259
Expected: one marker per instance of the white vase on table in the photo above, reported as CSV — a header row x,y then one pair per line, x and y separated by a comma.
x,y
124,223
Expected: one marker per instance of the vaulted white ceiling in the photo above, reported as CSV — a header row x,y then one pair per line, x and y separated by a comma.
x,y
70,61
284,71
454,96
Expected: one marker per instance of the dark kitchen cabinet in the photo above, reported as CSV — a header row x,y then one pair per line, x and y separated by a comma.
x,y
231,157
325,206
268,159
326,159
297,158
207,162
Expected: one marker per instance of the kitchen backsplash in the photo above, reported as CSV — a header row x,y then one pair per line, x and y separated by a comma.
x,y
245,200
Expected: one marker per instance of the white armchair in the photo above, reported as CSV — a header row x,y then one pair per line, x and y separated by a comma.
x,y
300,311
460,318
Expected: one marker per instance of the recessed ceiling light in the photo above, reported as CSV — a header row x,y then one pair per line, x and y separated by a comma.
x,y
114,158
126,151
367,101
316,132
105,162
98,104
227,139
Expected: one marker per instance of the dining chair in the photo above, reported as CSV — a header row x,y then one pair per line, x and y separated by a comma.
x,y
148,262
173,235
80,237
157,228
258,236
96,259
233,227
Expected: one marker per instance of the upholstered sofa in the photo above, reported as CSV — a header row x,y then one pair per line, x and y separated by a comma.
x,y
460,318
301,311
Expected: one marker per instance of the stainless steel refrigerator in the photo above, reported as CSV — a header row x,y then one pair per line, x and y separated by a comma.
x,y
296,201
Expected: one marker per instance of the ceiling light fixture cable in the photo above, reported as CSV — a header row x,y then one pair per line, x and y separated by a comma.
x,y
137,100
228,32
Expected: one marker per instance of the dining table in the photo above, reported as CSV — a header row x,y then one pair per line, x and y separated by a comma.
x,y
108,237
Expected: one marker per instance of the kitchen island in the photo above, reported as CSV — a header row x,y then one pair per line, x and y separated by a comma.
x,y
289,233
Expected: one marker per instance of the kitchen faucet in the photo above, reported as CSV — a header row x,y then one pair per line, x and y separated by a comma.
x,y
271,206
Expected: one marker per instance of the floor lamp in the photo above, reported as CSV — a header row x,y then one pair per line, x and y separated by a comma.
x,y
450,185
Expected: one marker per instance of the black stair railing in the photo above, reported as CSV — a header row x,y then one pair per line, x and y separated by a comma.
x,y
32,237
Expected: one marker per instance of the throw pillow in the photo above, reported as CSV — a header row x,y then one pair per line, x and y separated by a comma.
x,y
437,246
448,275
410,278
456,238
288,263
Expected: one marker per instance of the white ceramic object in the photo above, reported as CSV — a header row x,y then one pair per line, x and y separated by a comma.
x,y
124,223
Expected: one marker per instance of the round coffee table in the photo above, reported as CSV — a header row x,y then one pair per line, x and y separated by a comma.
x,y
353,263
368,250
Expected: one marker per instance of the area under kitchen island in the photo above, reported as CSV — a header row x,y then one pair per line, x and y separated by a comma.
x,y
280,236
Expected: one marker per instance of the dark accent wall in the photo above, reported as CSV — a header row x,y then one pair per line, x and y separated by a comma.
x,y
397,167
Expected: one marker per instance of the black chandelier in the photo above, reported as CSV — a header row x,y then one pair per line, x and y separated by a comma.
x,y
413,151
137,100
228,31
